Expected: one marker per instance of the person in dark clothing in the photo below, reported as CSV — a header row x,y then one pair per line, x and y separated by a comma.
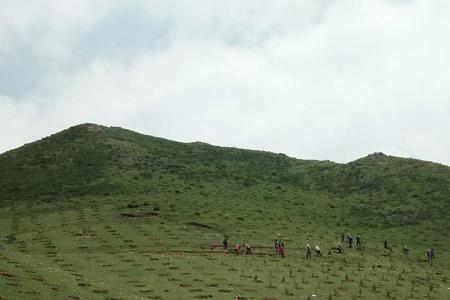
x,y
308,251
317,251
386,245
429,254
225,243
350,240
358,242
432,253
340,249
405,249
276,245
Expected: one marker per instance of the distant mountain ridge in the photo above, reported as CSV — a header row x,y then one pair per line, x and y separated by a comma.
x,y
93,160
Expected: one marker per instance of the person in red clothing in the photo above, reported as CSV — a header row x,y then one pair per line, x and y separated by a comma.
x,y
237,249
281,250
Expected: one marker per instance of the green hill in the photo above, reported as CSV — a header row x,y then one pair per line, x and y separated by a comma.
x,y
94,160
109,195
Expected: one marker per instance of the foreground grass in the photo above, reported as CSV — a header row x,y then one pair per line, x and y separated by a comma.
x,y
157,248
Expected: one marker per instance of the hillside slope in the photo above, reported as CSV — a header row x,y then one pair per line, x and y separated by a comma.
x,y
106,213
88,159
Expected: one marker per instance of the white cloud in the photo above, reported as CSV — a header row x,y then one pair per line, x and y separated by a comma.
x,y
313,79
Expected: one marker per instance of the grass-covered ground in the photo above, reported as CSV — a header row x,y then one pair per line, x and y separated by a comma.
x,y
99,248
104,213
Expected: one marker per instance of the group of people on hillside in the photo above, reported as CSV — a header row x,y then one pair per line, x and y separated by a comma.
x,y
405,250
316,249
237,248
349,239
280,247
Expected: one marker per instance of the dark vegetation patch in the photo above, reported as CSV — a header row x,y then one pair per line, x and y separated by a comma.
x,y
138,215
200,225
7,274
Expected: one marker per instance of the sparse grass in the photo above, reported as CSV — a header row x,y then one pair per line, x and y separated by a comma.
x,y
137,216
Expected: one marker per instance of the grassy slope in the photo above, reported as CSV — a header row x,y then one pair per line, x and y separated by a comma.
x,y
64,198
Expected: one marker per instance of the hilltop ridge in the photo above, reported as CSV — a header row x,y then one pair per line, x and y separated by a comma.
x,y
90,159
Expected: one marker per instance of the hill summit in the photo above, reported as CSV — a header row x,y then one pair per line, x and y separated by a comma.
x,y
95,160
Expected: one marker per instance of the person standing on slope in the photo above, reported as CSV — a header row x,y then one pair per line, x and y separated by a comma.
x,y
386,245
281,249
213,246
317,251
308,251
340,248
350,240
225,243
405,249
429,254
237,249
248,249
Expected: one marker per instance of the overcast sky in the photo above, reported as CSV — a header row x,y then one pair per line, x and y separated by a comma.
x,y
315,79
